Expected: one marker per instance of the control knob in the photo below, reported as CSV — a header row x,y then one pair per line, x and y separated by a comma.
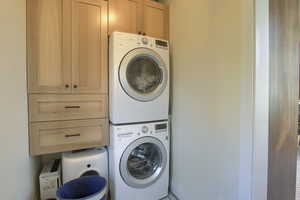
x,y
145,129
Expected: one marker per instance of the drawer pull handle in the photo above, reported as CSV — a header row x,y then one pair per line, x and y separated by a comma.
x,y
72,107
72,135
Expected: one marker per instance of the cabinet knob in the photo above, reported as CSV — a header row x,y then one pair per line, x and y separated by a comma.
x,y
75,86
144,33
140,33
67,86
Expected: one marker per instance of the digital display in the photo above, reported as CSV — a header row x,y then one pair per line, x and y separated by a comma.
x,y
161,43
160,126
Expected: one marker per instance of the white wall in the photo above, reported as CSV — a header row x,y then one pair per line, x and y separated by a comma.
x,y
212,71
17,170
261,110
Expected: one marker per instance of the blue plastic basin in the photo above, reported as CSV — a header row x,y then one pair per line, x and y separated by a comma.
x,y
84,188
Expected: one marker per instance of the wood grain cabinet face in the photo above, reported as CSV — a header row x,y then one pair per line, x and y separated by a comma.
x,y
52,137
89,46
139,17
125,16
49,67
66,107
67,74
155,17
67,46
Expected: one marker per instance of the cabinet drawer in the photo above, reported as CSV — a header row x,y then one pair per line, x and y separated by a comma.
x,y
51,137
66,107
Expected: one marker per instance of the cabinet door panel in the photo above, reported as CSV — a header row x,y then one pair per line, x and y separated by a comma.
x,y
156,19
89,46
52,137
49,69
66,107
125,16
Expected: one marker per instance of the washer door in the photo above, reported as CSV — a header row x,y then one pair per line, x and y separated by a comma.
x,y
143,162
143,74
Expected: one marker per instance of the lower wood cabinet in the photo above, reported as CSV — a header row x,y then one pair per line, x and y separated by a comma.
x,y
66,107
60,136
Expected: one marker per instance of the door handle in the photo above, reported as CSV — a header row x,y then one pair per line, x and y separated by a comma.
x,y
72,107
72,135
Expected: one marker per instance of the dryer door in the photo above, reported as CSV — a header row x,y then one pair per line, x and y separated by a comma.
x,y
143,162
143,74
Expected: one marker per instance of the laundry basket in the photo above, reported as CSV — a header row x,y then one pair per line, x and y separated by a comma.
x,y
84,188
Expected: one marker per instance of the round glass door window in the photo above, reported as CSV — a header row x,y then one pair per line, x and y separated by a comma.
x,y
143,74
143,162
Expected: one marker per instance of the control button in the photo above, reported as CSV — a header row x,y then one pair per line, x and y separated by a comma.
x,y
145,41
145,129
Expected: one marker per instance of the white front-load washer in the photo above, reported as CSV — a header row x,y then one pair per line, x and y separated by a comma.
x,y
138,78
139,161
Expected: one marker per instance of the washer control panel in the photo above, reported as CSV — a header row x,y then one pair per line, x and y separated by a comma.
x,y
154,128
140,130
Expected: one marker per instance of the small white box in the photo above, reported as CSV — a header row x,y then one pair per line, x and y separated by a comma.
x,y
50,180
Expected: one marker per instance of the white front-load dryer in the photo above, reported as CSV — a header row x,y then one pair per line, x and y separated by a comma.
x,y
138,78
139,161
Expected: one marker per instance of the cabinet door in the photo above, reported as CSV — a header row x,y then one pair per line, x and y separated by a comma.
x,y
60,136
49,67
125,16
156,19
89,46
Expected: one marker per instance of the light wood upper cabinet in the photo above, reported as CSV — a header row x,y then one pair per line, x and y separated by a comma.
x,y
89,46
67,46
67,74
49,67
124,15
156,23
140,17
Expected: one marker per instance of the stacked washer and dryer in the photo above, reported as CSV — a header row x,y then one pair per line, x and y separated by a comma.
x,y
139,107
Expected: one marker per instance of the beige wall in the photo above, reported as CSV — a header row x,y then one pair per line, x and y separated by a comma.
x,y
212,62
17,170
